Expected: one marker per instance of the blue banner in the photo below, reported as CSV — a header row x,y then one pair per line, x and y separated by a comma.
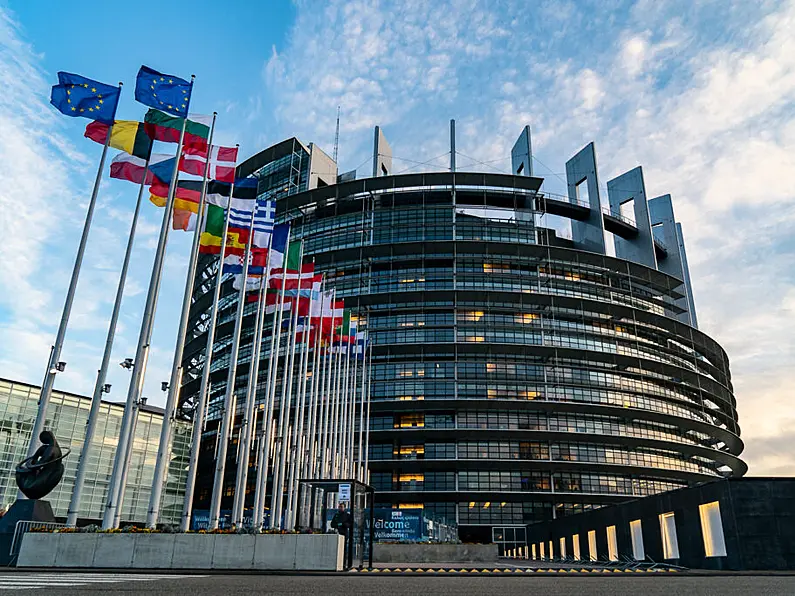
x,y
393,525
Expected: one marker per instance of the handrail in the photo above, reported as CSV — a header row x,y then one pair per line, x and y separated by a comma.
x,y
618,216
23,527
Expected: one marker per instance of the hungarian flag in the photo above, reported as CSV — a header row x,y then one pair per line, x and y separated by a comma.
x,y
128,167
162,127
127,135
222,162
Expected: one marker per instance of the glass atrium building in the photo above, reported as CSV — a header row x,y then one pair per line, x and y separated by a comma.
x,y
518,375
67,418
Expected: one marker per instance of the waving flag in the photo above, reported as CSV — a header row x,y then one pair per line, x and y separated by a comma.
x,y
126,135
128,167
75,95
162,127
167,93
222,162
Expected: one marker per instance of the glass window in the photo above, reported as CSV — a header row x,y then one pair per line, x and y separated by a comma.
x,y
712,529
636,533
592,554
612,543
575,546
668,533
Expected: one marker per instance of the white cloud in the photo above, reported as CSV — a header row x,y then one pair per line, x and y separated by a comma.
x,y
702,98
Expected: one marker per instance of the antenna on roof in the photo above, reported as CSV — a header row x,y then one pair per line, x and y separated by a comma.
x,y
337,136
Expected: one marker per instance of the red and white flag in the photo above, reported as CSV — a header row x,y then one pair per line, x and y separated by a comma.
x,y
222,162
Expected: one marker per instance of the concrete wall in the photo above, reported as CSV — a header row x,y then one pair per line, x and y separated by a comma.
x,y
628,186
382,154
663,225
322,169
757,518
590,233
318,552
522,154
435,553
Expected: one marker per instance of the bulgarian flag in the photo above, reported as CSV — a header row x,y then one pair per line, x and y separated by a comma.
x,y
163,127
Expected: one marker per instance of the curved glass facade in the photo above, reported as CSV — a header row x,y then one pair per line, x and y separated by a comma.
x,y
515,377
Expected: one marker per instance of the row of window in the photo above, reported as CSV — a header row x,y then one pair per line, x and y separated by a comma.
x,y
543,451
520,481
711,534
557,422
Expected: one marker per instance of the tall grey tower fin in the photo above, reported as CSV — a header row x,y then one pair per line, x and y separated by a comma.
x,y
382,154
522,154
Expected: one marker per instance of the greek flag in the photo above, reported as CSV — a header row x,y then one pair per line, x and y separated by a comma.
x,y
263,222
240,213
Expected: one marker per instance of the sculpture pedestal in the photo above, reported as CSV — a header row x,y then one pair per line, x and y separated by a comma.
x,y
22,510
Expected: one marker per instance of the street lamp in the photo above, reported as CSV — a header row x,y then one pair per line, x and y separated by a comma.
x,y
127,363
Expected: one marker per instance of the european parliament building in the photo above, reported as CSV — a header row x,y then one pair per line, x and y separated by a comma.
x,y
520,372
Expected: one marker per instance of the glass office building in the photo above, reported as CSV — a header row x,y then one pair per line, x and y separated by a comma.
x,y
518,375
67,418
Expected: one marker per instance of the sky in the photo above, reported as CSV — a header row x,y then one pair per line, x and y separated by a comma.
x,y
701,93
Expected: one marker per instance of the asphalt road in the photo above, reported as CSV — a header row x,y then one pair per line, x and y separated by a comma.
x,y
68,584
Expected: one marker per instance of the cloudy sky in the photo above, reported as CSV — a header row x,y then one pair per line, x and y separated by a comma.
x,y
701,93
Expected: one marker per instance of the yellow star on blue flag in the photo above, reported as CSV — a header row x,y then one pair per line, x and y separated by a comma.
x,y
75,95
165,92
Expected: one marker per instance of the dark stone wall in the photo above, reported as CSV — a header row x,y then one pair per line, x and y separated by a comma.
x,y
758,516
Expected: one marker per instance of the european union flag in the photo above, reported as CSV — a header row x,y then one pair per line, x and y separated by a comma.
x,y
78,96
165,92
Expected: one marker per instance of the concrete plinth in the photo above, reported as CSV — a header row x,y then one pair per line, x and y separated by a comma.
x,y
318,552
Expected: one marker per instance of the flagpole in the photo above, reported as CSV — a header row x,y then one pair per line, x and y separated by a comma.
x,y
308,470
298,431
126,467
244,438
229,397
266,426
344,413
359,469
96,399
204,390
352,423
366,472
115,487
325,451
285,403
175,382
337,413
268,429
55,351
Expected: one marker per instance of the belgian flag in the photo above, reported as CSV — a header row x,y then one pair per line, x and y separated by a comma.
x,y
127,135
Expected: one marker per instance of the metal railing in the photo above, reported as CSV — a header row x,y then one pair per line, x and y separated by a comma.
x,y
623,218
23,527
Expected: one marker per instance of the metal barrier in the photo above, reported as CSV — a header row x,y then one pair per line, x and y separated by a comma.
x,y
26,526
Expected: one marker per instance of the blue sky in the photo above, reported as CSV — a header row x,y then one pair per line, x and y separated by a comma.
x,y
699,92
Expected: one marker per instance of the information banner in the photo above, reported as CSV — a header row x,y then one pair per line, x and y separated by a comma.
x,y
397,525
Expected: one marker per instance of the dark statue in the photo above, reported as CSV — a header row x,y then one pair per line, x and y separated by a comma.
x,y
39,474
